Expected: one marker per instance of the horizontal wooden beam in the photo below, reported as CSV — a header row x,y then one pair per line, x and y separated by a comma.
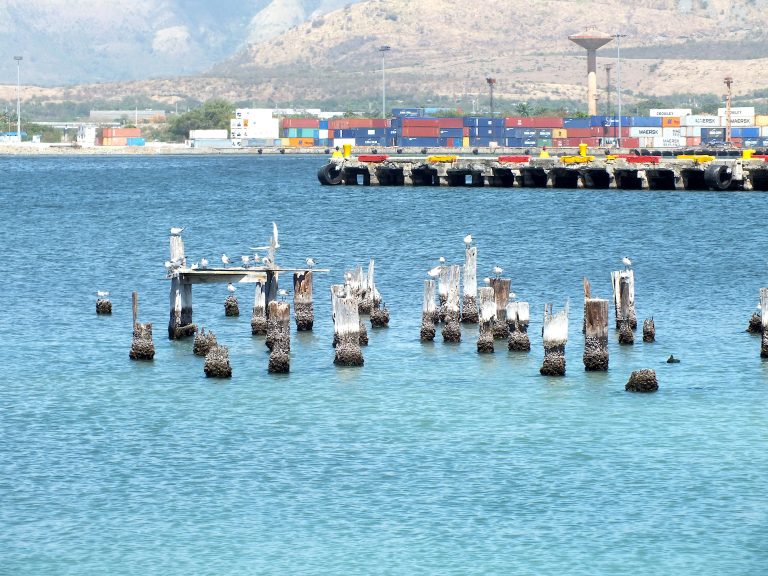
x,y
234,275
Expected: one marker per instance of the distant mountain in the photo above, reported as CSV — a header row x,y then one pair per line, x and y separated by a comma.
x,y
79,41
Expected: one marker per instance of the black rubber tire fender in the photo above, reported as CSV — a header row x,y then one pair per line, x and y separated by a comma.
x,y
329,175
718,177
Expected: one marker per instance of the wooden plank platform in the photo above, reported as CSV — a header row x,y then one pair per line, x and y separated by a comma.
x,y
235,274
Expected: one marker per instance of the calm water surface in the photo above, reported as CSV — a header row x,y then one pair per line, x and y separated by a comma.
x,y
428,460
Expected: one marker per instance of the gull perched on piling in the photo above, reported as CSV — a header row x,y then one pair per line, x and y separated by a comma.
x,y
435,272
487,280
245,260
442,259
498,270
282,292
231,288
175,231
102,294
626,261
468,240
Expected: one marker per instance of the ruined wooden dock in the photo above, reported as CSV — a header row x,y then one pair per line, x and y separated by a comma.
x,y
686,172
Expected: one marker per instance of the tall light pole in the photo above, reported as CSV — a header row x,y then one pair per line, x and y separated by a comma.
x,y
618,82
728,81
491,84
18,97
383,50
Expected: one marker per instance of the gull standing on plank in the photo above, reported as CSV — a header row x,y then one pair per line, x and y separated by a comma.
x,y
102,294
231,288
468,240
487,280
311,262
442,259
245,260
627,262
194,266
225,259
175,231
435,272
203,262
498,270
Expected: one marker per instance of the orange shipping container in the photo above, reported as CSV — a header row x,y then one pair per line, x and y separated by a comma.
x,y
670,122
693,141
301,142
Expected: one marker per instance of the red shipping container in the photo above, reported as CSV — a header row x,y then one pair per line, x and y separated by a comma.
x,y
629,142
380,123
466,132
450,122
338,124
599,131
579,133
449,142
331,134
421,131
301,123
421,122
693,141
559,142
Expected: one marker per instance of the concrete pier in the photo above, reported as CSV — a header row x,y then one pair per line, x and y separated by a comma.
x,y
631,172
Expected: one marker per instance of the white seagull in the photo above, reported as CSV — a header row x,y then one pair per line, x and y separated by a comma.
x,y
468,240
497,270
311,262
282,292
245,259
435,272
231,288
194,266
203,262
512,296
225,259
274,235
175,231
102,294
442,259
627,262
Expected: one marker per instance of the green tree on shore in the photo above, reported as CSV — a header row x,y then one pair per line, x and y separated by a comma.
x,y
212,115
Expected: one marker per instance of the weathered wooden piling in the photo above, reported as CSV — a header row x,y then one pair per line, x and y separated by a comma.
x,y
259,311
755,325
649,330
555,335
642,381
452,328
103,306
369,297
487,320
142,346
764,338
379,316
501,288
596,335
469,312
303,307
518,333
443,283
180,322
428,311
204,341
346,326
217,362
631,316
231,307
626,335
278,326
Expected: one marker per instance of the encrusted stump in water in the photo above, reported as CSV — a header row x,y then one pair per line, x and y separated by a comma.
x,y
363,334
277,336
142,346
642,381
217,363
364,306
103,306
554,361
469,312
626,336
279,361
304,314
764,344
500,330
485,343
519,340
204,341
595,354
451,329
649,330
427,328
632,318
441,308
755,324
230,306
379,317
258,323
348,354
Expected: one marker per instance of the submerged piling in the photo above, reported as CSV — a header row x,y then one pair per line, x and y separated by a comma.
x,y
303,307
649,330
642,381
428,311
452,328
555,337
217,363
231,307
596,335
204,341
518,326
469,312
501,289
487,320
142,346
259,311
103,305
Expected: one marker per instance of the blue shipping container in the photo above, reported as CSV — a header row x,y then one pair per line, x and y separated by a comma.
x,y
513,142
491,133
407,112
479,141
470,121
610,120
323,125
369,141
135,141
544,133
451,132
745,132
645,121
576,123
406,141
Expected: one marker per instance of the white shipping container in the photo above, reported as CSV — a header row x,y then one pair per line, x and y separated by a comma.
x,y
764,131
262,128
692,131
644,132
673,132
253,113
738,121
341,141
322,134
740,111
700,120
222,134
674,112
647,141
665,142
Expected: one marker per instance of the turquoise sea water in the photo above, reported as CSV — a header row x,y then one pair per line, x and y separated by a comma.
x,y
430,459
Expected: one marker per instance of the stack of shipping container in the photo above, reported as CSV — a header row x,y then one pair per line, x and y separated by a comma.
x,y
121,137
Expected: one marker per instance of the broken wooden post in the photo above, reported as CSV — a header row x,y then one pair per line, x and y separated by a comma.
x,y
217,362
279,337
278,326
629,278
501,288
369,295
428,311
443,282
180,322
303,308
259,311
487,319
649,330
596,335
642,381
626,335
469,312
452,328
346,326
204,341
555,335
379,316
587,296
764,338
270,289
755,325
142,346
103,304
518,337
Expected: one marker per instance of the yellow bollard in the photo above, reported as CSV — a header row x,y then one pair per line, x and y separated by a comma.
x,y
746,154
544,152
347,150
582,149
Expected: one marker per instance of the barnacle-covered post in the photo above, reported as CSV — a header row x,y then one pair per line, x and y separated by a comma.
x,y
279,336
555,337
487,318
452,328
596,334
303,307
518,335
346,325
142,346
428,311
501,288
259,311
469,313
